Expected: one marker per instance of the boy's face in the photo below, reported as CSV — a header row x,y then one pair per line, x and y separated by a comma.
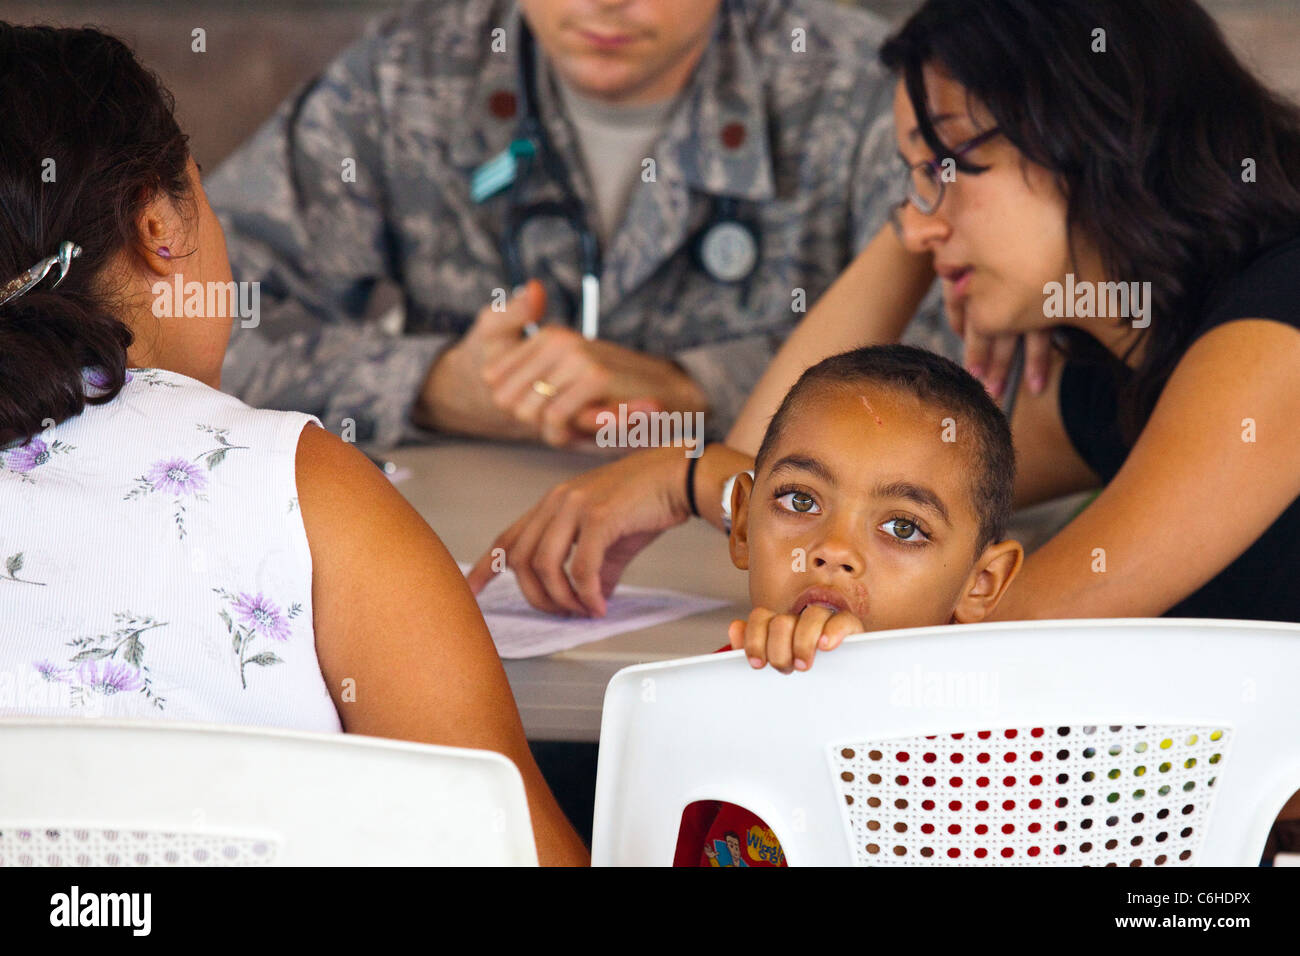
x,y
862,506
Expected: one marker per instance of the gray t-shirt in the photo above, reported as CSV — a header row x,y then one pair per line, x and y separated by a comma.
x,y
614,141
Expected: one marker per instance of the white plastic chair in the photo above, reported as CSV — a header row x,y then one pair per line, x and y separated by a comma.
x,y
98,793
1053,743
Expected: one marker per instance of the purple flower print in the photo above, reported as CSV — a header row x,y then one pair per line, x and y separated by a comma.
x,y
258,617
176,476
262,616
51,672
111,662
26,457
182,479
108,677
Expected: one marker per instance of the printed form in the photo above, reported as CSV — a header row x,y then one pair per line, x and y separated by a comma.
x,y
520,630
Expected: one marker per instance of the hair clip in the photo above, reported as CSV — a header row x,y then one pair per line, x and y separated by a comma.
x,y
26,281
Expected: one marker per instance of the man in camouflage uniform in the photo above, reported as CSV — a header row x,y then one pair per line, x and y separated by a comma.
x,y
365,176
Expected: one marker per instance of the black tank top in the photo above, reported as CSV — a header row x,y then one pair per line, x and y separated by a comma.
x,y
1264,582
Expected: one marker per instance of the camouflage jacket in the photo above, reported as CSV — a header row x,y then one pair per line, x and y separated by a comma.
x,y
788,113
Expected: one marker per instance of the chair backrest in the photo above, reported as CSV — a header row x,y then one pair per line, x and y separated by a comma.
x,y
1132,742
98,793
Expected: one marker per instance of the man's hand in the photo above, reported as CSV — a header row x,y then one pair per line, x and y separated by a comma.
x,y
604,516
789,641
497,383
455,398
584,379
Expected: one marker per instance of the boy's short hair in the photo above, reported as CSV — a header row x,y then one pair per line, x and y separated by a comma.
x,y
935,380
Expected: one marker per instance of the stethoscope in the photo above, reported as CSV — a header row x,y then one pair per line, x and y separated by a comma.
x,y
726,248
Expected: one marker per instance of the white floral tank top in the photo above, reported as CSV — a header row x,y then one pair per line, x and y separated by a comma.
x,y
153,564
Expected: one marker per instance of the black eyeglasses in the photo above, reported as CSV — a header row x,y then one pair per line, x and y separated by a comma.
x,y
925,180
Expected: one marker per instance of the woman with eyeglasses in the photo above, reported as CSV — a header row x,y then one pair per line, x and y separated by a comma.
x,y
1105,179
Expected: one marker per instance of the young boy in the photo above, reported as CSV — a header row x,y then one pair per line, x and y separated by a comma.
x,y
879,499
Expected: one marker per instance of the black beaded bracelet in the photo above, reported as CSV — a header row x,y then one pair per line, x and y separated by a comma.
x,y
690,480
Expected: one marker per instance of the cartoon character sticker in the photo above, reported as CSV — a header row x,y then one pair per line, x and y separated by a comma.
x,y
759,846
725,852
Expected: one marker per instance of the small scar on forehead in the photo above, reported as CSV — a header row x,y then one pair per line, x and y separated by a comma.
x,y
870,409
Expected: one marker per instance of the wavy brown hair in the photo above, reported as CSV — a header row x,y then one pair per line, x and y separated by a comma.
x,y
81,112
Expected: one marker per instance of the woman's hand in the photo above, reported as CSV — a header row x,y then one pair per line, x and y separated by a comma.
x,y
989,357
604,517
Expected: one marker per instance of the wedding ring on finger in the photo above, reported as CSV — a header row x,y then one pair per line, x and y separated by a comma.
x,y
545,388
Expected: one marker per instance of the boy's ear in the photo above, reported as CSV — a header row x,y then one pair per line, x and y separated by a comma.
x,y
742,492
988,582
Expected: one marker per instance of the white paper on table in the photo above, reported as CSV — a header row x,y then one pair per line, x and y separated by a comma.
x,y
520,630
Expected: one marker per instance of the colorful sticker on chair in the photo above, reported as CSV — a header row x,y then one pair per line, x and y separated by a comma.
x,y
725,852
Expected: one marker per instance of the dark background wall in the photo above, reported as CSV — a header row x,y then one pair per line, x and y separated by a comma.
x,y
259,51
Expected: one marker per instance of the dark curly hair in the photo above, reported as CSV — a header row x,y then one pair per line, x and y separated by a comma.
x,y
81,112
936,381
1147,141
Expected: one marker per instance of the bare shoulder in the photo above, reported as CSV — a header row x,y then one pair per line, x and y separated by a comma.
x,y
384,589
1232,396
1269,349
333,478
359,527
397,626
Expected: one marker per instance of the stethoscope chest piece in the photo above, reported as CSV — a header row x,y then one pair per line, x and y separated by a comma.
x,y
728,251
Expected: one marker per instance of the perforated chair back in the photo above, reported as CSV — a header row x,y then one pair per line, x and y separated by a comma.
x,y
1130,742
98,793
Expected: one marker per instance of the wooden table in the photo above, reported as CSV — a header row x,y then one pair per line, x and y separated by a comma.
x,y
470,491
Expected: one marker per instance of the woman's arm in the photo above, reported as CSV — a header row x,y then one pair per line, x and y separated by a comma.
x,y
1192,496
393,613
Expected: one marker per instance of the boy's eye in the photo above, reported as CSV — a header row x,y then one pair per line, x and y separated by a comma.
x,y
905,530
798,501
